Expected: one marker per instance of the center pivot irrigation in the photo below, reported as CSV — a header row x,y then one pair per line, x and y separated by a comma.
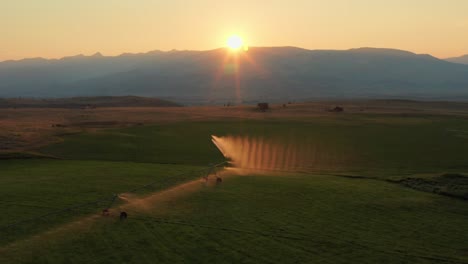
x,y
109,201
258,153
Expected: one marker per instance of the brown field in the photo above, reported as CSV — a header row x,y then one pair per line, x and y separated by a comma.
x,y
25,129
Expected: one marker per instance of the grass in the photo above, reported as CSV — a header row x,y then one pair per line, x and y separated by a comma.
x,y
296,218
32,188
391,144
284,219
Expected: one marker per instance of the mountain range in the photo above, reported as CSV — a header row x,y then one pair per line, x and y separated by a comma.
x,y
462,59
259,74
85,102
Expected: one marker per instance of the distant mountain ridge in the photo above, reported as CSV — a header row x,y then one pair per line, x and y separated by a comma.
x,y
262,73
462,59
85,102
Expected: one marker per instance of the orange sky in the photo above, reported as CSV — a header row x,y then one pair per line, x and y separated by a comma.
x,y
57,28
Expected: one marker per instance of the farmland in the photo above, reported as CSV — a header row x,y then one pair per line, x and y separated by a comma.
x,y
366,195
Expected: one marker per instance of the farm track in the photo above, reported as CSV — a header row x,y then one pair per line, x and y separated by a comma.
x,y
149,201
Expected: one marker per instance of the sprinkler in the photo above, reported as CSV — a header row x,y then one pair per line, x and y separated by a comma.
x,y
106,211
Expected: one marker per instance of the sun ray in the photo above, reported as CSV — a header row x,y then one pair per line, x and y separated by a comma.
x,y
230,66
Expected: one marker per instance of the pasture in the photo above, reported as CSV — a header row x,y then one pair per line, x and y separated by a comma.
x,y
349,204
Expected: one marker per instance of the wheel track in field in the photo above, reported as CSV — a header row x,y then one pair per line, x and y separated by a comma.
x,y
157,199
144,203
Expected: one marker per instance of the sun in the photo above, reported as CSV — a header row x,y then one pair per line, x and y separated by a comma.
x,y
235,42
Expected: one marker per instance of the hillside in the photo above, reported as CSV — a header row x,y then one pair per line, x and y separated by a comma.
x,y
259,74
462,59
84,102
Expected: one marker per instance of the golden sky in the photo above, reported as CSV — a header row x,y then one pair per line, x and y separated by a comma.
x,y
57,28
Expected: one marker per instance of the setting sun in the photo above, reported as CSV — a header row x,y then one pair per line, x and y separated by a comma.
x,y
235,42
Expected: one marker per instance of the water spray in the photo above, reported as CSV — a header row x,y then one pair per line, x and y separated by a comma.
x,y
261,154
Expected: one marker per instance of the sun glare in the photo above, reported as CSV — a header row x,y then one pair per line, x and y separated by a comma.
x,y
235,42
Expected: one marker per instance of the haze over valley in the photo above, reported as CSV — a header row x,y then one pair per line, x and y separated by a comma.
x,y
214,131
259,74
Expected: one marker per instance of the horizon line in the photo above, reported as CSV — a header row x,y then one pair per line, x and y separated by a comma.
x,y
99,54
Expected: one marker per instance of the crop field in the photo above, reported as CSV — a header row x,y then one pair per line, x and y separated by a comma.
x,y
379,186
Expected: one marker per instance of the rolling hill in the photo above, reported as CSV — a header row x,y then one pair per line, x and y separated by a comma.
x,y
275,73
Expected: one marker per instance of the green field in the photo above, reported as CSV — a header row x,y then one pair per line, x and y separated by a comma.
x,y
383,143
33,188
309,217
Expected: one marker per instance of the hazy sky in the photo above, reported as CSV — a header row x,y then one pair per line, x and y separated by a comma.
x,y
57,28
